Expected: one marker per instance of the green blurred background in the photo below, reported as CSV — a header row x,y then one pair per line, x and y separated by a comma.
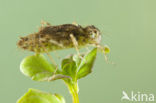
x,y
128,27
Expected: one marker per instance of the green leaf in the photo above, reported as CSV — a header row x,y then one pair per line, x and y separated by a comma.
x,y
38,68
69,68
86,64
36,96
76,68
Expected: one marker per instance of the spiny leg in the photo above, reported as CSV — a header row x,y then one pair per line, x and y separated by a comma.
x,y
51,58
75,43
46,51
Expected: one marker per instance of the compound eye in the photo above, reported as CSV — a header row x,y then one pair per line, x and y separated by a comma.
x,y
95,31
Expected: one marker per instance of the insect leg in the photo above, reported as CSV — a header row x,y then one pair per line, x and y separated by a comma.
x,y
102,48
105,50
74,23
51,58
75,43
45,23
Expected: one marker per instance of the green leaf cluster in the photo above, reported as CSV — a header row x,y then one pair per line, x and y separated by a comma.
x,y
72,68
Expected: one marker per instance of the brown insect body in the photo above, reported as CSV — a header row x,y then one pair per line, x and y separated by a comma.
x,y
58,37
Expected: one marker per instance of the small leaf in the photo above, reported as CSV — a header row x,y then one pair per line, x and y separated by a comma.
x,y
86,64
69,68
38,68
65,61
36,96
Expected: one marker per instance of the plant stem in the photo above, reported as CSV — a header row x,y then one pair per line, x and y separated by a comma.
x,y
73,89
75,97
